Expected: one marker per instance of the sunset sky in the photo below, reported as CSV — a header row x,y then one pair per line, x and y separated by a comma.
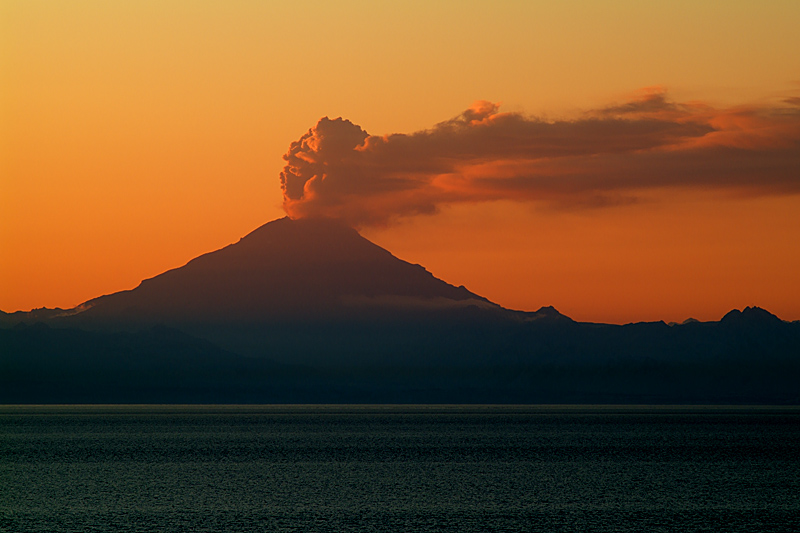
x,y
622,161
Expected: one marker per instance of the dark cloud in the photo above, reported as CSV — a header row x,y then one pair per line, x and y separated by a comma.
x,y
600,159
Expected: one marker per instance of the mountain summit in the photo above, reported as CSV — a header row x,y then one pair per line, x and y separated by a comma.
x,y
286,270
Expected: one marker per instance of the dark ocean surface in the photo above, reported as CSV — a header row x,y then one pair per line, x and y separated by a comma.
x,y
398,468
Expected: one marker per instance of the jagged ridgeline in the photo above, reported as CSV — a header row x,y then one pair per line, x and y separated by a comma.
x,y
310,311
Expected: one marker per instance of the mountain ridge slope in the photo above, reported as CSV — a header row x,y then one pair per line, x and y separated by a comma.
x,y
285,270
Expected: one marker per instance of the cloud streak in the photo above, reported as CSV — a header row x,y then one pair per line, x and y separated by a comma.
x,y
605,157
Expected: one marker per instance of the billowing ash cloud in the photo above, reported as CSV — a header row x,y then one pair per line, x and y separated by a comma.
x,y
605,157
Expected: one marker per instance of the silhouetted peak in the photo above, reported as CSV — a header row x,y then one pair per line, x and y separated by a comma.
x,y
302,226
685,322
287,269
548,313
548,310
306,239
750,315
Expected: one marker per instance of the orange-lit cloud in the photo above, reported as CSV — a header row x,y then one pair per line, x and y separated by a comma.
x,y
605,157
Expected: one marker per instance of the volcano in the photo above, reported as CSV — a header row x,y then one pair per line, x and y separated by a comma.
x,y
286,271
311,291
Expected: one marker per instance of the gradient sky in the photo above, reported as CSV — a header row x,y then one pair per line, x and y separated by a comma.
x,y
137,135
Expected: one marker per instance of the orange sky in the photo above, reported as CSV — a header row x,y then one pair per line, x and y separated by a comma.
x,y
137,135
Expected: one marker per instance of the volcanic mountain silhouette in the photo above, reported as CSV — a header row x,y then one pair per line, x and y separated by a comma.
x,y
309,311
286,270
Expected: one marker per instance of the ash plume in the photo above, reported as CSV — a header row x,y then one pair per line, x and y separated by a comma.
x,y
605,157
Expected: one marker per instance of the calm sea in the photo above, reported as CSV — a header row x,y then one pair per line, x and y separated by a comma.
x,y
403,469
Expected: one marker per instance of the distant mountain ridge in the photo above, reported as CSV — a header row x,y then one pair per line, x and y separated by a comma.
x,y
750,315
310,311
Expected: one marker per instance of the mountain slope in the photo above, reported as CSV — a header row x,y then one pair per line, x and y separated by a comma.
x,y
286,270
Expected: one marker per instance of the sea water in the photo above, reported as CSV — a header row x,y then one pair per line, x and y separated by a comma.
x,y
398,468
